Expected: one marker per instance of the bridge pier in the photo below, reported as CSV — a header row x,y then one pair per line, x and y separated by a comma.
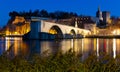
x,y
35,29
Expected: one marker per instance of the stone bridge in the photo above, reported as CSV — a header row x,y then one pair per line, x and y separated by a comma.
x,y
43,29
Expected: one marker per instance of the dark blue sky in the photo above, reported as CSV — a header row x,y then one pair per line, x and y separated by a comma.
x,y
85,7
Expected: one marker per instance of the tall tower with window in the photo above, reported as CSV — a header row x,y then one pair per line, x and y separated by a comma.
x,y
106,16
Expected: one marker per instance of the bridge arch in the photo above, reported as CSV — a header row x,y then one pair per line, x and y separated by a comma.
x,y
73,33
55,30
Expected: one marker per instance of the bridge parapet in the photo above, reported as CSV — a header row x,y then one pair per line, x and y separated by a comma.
x,y
38,18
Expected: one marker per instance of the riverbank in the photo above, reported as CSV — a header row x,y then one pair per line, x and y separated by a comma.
x,y
1,35
98,36
68,62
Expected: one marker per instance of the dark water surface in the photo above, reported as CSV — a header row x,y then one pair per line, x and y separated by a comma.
x,y
86,46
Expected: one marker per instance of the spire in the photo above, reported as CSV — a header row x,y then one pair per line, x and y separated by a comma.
x,y
99,14
99,8
76,25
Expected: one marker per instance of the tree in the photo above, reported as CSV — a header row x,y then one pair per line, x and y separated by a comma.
x,y
13,14
44,13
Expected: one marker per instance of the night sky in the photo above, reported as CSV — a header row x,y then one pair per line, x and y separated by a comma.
x,y
84,7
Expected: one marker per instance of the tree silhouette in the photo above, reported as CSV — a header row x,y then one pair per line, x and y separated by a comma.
x,y
13,14
44,13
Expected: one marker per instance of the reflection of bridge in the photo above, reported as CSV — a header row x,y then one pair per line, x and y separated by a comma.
x,y
43,29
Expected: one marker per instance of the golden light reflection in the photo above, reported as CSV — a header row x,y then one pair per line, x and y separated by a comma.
x,y
66,45
82,45
107,45
7,43
95,41
114,48
97,47
76,46
15,46
83,50
12,44
72,44
52,31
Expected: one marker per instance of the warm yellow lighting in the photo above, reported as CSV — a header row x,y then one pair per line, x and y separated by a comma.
x,y
71,33
109,21
116,32
97,47
114,48
7,32
18,19
52,31
7,43
27,31
84,36
15,32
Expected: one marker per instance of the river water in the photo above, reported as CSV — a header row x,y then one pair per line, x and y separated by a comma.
x,y
85,46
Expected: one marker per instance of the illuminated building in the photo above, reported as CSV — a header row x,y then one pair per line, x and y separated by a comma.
x,y
104,18
18,19
92,27
18,26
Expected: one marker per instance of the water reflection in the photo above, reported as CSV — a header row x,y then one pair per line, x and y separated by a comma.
x,y
14,46
114,48
97,44
86,46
